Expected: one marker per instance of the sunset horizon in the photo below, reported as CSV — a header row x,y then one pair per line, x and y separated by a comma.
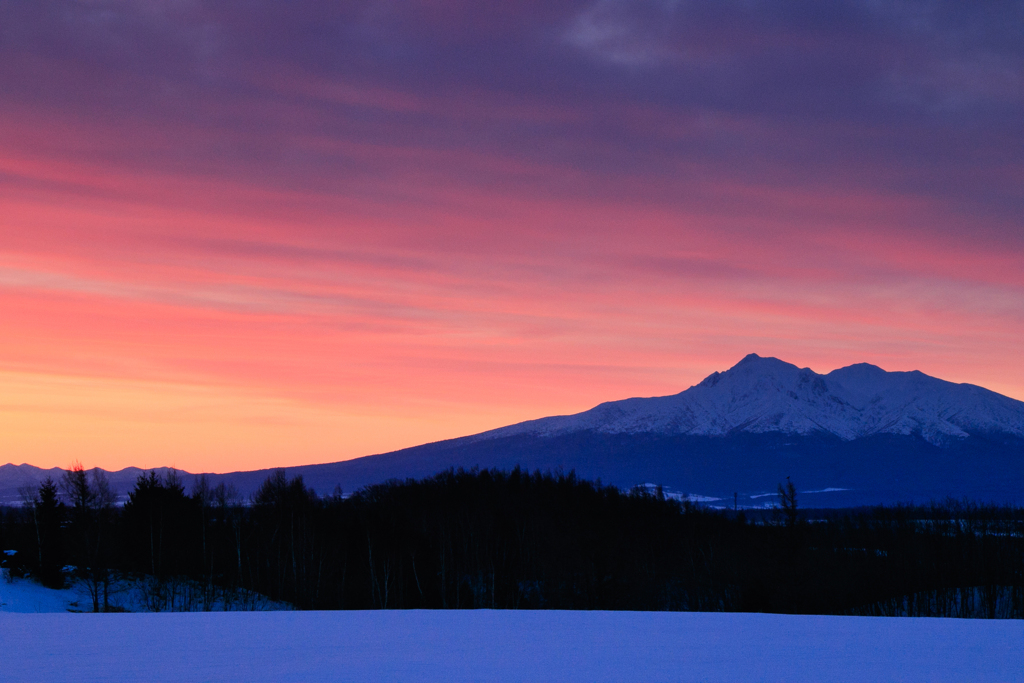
x,y
76,461
237,238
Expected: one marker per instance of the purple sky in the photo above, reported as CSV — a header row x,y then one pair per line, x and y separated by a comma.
x,y
258,233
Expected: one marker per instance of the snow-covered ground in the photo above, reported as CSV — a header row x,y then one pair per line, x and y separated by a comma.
x,y
488,645
129,595
25,595
504,646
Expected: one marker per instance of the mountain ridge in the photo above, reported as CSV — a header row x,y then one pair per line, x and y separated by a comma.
x,y
854,436
770,395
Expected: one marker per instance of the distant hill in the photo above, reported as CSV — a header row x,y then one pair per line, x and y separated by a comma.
x,y
857,435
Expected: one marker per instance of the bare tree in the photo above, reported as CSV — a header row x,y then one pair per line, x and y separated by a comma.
x,y
74,484
92,505
787,502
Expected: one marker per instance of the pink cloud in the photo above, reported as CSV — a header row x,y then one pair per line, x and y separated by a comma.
x,y
449,216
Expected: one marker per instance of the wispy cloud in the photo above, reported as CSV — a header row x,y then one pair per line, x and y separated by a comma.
x,y
529,206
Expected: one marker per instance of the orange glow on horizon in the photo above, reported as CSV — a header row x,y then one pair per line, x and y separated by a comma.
x,y
230,242
274,356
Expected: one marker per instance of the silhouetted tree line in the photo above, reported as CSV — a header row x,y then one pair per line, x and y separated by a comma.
x,y
520,540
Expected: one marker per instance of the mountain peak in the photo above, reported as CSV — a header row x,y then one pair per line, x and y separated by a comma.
x,y
859,370
765,394
864,366
755,363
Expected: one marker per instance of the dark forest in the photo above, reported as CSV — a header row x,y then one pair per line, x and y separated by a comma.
x,y
516,540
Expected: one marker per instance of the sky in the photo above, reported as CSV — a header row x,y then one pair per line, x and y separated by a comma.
x,y
238,235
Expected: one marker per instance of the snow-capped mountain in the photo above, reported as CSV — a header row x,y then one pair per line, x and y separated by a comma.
x,y
761,395
855,436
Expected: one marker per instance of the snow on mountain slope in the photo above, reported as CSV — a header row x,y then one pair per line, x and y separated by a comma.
x,y
769,395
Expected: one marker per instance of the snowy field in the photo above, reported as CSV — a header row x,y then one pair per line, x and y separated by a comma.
x,y
25,595
504,646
